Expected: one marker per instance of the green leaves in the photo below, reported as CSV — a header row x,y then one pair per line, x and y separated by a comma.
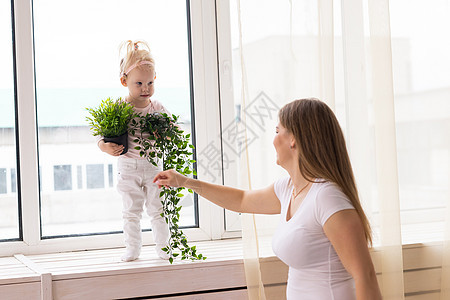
x,y
161,139
110,118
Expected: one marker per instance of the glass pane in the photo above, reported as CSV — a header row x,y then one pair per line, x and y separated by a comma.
x,y
94,176
422,108
2,181
9,219
62,177
289,52
77,65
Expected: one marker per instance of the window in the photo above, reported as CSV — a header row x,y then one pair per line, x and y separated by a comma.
x,y
2,181
68,60
422,107
76,69
79,178
95,178
9,218
110,175
71,184
268,88
62,176
290,50
13,181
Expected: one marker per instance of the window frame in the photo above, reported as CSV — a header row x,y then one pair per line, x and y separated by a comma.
x,y
228,112
206,117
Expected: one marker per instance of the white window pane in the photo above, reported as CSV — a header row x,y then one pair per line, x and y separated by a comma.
x,y
273,77
77,65
9,219
421,90
422,108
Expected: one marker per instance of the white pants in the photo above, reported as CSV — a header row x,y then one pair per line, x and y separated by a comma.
x,y
135,184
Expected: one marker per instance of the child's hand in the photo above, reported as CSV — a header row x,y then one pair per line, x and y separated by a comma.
x,y
110,148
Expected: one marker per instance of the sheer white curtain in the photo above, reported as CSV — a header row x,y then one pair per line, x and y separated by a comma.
x,y
344,52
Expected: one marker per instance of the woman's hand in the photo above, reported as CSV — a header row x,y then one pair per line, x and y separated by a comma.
x,y
110,148
170,178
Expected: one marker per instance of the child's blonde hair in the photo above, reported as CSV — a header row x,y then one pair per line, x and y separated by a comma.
x,y
135,57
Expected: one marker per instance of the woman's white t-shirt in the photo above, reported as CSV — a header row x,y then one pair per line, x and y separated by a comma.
x,y
315,270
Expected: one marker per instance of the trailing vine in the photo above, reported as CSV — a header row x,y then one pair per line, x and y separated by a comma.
x,y
160,139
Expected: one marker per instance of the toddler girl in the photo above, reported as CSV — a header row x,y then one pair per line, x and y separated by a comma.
x,y
135,173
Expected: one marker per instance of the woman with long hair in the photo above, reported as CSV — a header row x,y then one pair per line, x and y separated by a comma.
x,y
323,235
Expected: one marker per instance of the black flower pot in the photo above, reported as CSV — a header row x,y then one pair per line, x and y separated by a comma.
x,y
121,140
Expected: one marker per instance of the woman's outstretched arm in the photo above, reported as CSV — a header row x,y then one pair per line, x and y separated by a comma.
x,y
263,201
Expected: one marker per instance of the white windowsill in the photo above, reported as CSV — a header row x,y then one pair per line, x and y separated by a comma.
x,y
100,274
102,271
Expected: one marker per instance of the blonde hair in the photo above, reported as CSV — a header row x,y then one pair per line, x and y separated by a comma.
x,y
322,149
135,56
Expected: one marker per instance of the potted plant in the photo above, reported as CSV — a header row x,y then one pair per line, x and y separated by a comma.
x,y
162,139
110,120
